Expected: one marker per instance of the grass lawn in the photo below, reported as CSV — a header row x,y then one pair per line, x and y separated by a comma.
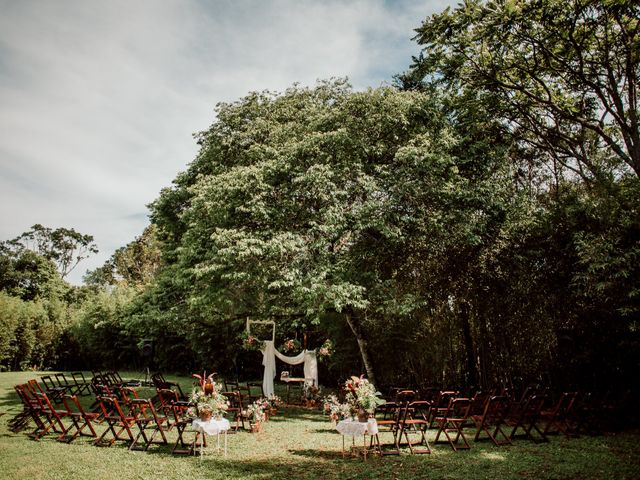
x,y
300,443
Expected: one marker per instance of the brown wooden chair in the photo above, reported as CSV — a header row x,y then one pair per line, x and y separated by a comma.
x,y
254,391
149,424
452,422
236,409
415,419
54,417
493,418
440,405
51,389
560,418
82,385
30,410
69,386
180,422
117,422
80,419
388,419
525,416
161,383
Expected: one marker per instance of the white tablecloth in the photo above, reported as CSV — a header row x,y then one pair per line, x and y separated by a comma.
x,y
211,427
353,428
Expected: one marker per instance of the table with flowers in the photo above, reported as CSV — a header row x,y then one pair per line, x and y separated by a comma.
x,y
211,427
353,428
209,404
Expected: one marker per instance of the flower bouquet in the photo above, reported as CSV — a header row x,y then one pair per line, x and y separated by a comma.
x,y
291,345
256,414
325,351
274,403
337,411
362,397
251,342
207,398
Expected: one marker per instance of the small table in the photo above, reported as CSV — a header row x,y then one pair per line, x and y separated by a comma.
x,y
355,428
289,381
211,427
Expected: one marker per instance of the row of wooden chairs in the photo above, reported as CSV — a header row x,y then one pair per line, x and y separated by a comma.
x,y
498,418
124,418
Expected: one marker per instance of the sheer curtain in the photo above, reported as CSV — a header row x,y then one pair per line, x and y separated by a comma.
x,y
269,354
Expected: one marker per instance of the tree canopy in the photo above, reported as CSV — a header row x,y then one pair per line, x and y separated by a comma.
x,y
563,75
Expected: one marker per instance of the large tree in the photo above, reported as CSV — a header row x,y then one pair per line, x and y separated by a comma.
x,y
64,246
561,74
324,200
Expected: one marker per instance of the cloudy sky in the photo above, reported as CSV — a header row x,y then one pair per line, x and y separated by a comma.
x,y
99,99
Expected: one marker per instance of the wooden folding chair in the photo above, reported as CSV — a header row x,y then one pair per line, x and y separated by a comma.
x,y
440,405
80,419
415,420
69,386
492,418
180,421
560,418
30,409
254,391
235,409
452,421
387,417
525,416
51,389
82,385
162,384
117,422
149,424
53,416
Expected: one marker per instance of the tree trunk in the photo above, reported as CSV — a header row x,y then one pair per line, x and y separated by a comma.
x,y
354,323
472,377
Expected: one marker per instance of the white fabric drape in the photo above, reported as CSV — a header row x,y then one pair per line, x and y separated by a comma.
x,y
269,355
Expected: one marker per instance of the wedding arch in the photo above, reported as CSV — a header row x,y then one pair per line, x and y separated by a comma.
x,y
269,355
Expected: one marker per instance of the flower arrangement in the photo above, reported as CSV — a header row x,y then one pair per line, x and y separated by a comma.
x,y
326,350
311,392
337,411
256,411
361,396
274,401
207,398
251,342
291,345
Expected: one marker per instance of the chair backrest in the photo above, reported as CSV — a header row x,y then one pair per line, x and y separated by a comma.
x,y
34,386
420,410
496,409
458,408
48,382
479,403
444,398
62,380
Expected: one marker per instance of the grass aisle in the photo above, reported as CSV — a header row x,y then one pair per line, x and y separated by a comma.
x,y
302,444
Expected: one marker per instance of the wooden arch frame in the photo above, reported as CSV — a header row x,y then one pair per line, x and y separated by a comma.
x,y
263,322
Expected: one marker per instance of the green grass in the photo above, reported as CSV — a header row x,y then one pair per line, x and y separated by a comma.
x,y
301,443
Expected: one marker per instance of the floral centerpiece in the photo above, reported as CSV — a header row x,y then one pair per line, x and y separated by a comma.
x,y
335,409
362,397
291,345
256,413
251,342
207,398
274,402
325,351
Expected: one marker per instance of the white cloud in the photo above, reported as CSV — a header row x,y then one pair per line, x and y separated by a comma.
x,y
100,99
